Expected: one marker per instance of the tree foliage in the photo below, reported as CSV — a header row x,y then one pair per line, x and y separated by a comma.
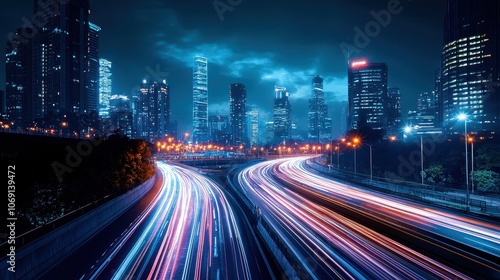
x,y
435,173
111,167
487,181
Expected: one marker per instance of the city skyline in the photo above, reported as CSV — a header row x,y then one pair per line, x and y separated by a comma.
x,y
257,139
259,66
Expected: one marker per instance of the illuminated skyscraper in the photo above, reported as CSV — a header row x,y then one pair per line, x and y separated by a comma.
x,y
19,101
120,114
104,87
282,115
393,111
91,100
320,127
66,62
367,95
269,132
253,121
219,129
470,65
200,100
153,111
237,113
424,119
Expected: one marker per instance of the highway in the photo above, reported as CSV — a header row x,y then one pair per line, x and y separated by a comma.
x,y
188,231
341,231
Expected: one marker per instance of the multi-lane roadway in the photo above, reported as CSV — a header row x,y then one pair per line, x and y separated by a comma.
x,y
188,231
341,231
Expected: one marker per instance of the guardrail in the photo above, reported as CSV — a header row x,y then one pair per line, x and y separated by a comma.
x,y
452,198
290,265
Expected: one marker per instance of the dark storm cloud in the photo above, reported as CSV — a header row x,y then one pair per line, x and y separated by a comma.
x,y
263,44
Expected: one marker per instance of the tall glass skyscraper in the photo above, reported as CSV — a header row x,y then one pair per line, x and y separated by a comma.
x,y
219,129
91,100
470,65
18,63
62,62
367,95
237,113
200,100
394,121
120,114
65,58
282,115
153,111
104,87
319,122
253,121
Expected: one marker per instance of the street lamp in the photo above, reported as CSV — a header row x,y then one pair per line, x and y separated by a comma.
x,y
463,117
355,142
471,140
328,146
409,129
371,163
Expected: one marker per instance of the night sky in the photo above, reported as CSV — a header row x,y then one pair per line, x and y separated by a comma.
x,y
259,43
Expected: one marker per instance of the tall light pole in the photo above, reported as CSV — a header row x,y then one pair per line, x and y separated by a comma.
x,y
355,142
331,153
422,159
463,117
338,155
354,146
472,164
371,158
371,163
408,130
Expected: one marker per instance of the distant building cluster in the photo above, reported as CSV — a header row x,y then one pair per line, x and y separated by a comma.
x,y
56,83
467,82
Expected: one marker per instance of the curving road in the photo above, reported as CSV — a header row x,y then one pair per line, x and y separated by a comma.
x,y
340,231
188,231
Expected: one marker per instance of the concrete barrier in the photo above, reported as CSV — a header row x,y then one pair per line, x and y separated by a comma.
x,y
291,266
39,256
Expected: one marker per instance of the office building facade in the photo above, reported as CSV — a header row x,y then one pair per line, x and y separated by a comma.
x,y
470,65
237,113
218,126
282,115
18,67
120,115
200,100
394,121
253,125
105,87
153,111
320,124
367,95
